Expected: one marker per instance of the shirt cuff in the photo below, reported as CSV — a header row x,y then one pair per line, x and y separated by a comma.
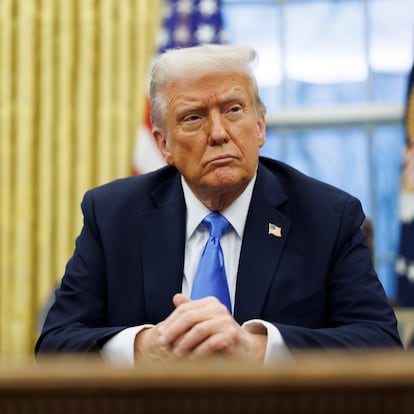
x,y
119,350
276,348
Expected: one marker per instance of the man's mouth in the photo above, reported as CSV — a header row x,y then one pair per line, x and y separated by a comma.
x,y
222,159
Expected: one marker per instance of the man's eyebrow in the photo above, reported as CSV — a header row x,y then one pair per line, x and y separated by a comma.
x,y
184,108
189,106
232,96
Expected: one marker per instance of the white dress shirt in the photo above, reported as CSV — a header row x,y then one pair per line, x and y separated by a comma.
x,y
120,348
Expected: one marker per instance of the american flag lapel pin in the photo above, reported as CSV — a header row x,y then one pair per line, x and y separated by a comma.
x,y
275,230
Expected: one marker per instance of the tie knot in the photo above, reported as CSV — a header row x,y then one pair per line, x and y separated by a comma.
x,y
216,223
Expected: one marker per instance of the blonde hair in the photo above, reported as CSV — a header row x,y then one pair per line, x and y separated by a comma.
x,y
195,62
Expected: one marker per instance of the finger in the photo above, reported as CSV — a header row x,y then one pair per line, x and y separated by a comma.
x,y
179,299
178,324
234,343
188,315
203,332
181,303
192,338
217,344
188,309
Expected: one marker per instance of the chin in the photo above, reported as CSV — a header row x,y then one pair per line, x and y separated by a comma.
x,y
228,180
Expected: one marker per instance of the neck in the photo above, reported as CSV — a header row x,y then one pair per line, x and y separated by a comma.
x,y
218,200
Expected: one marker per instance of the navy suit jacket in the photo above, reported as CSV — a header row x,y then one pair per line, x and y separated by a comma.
x,y
316,282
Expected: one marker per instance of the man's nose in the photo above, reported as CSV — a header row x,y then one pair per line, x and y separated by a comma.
x,y
217,129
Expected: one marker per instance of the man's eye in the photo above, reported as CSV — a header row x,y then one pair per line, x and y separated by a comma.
x,y
235,109
191,118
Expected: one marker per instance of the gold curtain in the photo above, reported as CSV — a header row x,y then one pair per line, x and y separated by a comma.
x,y
72,87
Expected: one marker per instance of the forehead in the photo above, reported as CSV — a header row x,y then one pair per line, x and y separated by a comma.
x,y
216,86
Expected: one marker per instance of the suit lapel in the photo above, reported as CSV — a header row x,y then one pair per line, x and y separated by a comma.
x,y
261,251
162,240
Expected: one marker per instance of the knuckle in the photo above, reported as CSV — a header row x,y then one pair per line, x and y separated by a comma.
x,y
222,343
188,317
199,330
234,335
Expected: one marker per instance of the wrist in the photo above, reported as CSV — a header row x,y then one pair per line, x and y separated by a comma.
x,y
141,344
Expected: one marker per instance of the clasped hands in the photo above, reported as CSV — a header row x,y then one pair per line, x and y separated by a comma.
x,y
198,329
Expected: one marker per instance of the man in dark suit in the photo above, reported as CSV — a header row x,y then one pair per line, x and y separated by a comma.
x,y
299,274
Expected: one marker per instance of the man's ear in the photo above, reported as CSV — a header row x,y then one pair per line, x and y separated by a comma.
x,y
261,130
162,144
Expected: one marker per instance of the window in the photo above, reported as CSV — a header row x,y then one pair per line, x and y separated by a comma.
x,y
333,75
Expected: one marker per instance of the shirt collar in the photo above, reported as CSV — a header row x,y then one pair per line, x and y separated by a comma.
x,y
236,213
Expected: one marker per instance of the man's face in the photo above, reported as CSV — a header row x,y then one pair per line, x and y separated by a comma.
x,y
212,132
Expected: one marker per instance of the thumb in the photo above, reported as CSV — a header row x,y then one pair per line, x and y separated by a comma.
x,y
179,299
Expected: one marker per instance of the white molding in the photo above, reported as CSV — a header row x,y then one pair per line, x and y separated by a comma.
x,y
339,116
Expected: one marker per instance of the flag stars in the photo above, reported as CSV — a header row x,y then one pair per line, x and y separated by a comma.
x,y
184,7
190,22
182,34
167,10
163,37
205,33
208,7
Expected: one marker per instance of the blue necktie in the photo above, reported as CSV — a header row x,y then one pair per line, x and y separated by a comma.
x,y
210,278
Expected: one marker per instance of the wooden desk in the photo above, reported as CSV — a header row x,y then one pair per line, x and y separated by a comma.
x,y
312,383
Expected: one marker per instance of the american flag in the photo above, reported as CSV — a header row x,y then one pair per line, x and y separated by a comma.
x,y
185,23
405,260
275,230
